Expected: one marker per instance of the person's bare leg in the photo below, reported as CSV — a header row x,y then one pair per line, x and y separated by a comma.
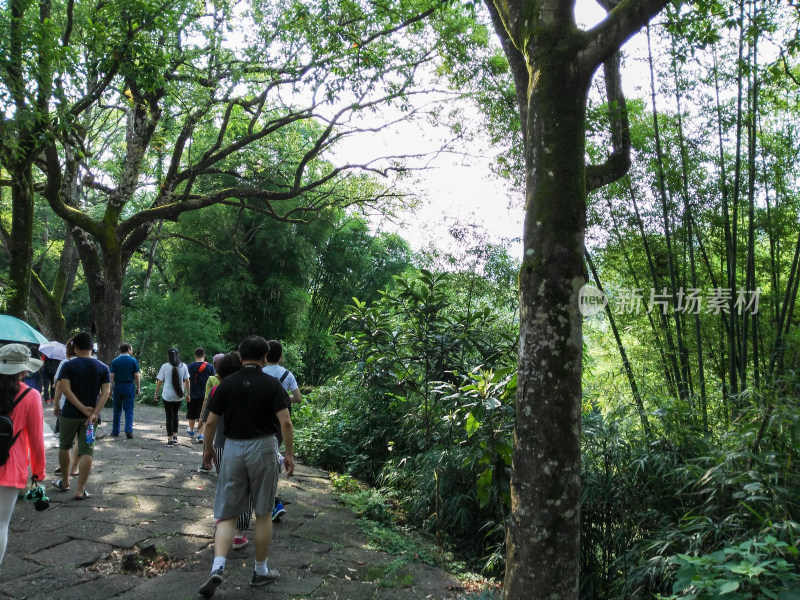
x,y
85,466
75,460
191,423
63,463
223,537
262,536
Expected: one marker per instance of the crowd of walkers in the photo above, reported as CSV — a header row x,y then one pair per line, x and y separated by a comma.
x,y
238,408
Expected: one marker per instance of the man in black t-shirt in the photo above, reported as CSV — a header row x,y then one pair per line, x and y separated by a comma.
x,y
254,405
86,383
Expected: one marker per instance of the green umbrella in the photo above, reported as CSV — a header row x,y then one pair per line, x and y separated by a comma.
x,y
14,330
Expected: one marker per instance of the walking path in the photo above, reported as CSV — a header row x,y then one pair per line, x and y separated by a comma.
x,y
147,533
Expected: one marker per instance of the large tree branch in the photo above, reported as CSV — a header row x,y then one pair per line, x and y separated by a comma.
x,y
56,194
516,61
623,21
203,244
143,118
619,161
383,33
65,38
170,211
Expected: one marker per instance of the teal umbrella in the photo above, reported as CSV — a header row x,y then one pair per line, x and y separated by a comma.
x,y
14,330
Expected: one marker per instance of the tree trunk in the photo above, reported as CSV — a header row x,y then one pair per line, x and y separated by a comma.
x,y
671,370
687,211
108,316
552,62
684,375
49,302
752,149
20,246
151,258
104,271
668,379
545,488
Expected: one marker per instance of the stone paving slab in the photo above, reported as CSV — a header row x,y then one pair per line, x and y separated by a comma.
x,y
151,498
73,554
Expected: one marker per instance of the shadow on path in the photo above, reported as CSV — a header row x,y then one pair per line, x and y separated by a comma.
x,y
152,513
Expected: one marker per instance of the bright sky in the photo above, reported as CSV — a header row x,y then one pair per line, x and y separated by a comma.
x,y
458,188
454,188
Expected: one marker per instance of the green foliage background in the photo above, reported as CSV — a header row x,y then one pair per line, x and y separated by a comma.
x,y
407,361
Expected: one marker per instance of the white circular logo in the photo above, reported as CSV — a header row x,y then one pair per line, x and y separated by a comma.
x,y
591,300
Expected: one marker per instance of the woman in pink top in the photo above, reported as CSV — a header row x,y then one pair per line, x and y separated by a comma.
x,y
25,406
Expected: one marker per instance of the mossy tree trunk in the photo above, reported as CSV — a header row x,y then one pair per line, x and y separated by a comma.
x,y
20,246
553,63
104,268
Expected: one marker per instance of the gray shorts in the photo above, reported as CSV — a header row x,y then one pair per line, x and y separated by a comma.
x,y
249,468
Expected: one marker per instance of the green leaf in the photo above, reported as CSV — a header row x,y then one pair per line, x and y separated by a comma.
x,y
472,425
484,485
729,586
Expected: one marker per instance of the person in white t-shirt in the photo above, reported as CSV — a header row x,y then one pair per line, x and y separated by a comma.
x,y
174,375
58,406
289,383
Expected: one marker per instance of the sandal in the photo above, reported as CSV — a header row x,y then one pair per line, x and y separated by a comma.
x,y
84,496
60,486
57,471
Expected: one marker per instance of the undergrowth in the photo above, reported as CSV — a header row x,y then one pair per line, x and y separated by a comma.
x,y
383,525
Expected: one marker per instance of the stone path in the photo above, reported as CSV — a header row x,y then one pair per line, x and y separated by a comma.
x,y
152,513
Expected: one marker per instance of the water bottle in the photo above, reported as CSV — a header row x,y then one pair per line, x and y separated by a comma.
x,y
90,433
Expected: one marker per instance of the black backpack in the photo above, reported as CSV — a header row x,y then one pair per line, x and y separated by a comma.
x,y
7,437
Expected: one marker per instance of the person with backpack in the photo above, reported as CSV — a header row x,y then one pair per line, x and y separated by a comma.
x,y
199,372
289,383
174,375
213,382
21,431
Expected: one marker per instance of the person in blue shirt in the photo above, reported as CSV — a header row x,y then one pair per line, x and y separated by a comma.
x,y
33,379
127,385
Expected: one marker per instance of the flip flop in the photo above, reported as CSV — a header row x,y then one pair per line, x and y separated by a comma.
x,y
85,495
60,486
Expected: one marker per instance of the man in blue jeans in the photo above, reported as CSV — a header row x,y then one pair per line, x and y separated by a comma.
x,y
127,384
